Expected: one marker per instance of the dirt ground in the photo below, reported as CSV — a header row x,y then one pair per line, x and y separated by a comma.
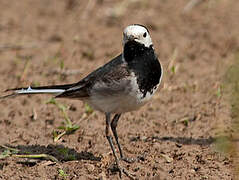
x,y
60,41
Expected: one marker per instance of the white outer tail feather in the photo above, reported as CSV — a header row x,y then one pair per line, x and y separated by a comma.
x,y
29,90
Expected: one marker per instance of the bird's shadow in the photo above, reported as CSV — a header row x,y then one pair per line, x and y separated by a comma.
x,y
187,140
60,152
63,154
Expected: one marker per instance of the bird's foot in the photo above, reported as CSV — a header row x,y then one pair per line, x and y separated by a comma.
x,y
117,168
129,175
127,159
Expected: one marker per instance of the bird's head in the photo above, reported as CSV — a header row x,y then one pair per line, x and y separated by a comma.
x,y
137,33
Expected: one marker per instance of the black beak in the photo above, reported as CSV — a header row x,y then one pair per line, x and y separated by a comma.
x,y
131,38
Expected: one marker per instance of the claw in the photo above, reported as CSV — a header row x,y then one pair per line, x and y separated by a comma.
x,y
117,168
131,176
128,160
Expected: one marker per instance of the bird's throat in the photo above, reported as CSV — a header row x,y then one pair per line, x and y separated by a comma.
x,y
133,49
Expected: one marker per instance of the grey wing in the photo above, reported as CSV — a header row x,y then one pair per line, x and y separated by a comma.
x,y
114,82
109,78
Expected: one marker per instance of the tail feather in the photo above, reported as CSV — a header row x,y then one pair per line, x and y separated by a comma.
x,y
55,89
65,86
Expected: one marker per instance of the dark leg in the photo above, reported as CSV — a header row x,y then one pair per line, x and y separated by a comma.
x,y
109,138
113,128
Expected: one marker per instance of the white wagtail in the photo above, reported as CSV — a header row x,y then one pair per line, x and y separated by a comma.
x,y
124,84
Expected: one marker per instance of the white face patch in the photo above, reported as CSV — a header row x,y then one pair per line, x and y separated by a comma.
x,y
139,33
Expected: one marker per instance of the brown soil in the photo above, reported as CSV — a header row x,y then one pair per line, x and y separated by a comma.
x,y
173,136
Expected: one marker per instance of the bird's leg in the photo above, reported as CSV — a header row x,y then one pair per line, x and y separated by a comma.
x,y
113,128
109,138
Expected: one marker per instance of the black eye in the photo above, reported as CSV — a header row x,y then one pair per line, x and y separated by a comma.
x,y
145,34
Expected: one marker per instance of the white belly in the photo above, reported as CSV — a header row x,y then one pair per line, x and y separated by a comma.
x,y
115,104
128,98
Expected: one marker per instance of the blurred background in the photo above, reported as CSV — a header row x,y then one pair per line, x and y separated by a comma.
x,y
188,131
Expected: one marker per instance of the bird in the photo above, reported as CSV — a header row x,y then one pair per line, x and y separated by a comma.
x,y
124,84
